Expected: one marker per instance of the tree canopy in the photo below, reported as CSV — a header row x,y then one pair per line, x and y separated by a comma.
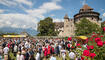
x,y
85,27
103,24
46,27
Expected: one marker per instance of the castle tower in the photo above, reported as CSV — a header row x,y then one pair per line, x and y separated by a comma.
x,y
68,26
88,13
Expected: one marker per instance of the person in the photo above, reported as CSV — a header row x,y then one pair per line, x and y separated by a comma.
x,y
72,55
6,50
4,44
15,50
18,56
22,57
60,46
9,45
12,45
40,49
57,50
68,46
31,52
1,50
37,56
27,55
52,50
63,53
52,57
45,51
49,49
23,52
1,56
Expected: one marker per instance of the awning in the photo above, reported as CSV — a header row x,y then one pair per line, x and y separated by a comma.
x,y
14,35
81,37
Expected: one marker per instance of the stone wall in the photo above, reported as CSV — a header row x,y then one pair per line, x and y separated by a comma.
x,y
68,28
91,19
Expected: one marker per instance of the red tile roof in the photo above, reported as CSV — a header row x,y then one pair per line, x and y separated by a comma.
x,y
85,7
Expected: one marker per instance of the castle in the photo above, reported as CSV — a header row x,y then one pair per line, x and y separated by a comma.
x,y
67,28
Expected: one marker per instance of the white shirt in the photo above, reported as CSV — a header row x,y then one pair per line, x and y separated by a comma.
x,y
22,57
52,58
18,57
15,48
63,52
27,45
72,55
60,47
37,56
6,50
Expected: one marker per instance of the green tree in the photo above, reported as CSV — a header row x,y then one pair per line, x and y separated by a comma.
x,y
102,26
85,27
46,27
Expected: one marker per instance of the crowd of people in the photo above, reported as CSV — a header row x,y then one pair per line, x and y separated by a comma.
x,y
38,49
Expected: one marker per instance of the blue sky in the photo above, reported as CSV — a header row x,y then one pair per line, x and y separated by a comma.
x,y
27,13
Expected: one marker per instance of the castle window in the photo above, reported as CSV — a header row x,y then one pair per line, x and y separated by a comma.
x,y
67,26
92,18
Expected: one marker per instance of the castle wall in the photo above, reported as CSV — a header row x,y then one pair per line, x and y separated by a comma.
x,y
94,20
68,28
91,19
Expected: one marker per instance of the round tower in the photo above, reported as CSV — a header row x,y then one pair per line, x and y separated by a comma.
x,y
87,12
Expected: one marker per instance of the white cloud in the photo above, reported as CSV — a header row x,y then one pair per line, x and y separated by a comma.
x,y
29,20
52,15
83,2
18,21
8,2
56,0
50,6
27,2
58,20
101,10
103,15
15,3
43,9
38,13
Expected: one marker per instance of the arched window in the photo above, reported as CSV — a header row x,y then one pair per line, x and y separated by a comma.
x,y
92,18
